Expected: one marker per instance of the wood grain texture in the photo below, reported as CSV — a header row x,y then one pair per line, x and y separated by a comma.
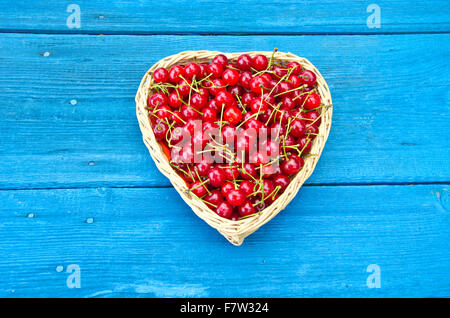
x,y
390,121
147,243
235,17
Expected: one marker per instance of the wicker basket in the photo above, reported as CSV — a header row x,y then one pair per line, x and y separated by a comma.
x,y
234,231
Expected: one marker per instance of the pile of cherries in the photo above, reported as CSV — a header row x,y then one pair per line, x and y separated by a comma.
x,y
236,131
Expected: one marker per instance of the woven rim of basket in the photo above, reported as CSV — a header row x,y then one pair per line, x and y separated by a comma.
x,y
233,231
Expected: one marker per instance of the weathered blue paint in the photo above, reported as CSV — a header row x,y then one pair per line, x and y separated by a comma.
x,y
77,186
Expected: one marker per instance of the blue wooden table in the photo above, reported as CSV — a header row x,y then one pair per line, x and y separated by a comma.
x,y
85,213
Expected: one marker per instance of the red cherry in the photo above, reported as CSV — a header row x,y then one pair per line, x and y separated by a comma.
x,y
312,101
191,70
216,177
246,187
260,62
224,209
236,90
203,167
177,117
247,98
245,78
292,165
235,217
259,84
246,209
307,77
198,188
235,197
229,133
297,68
230,76
224,98
244,62
218,85
281,181
160,130
312,131
157,99
305,143
189,113
258,158
227,187
268,188
215,69
279,71
258,105
184,87
214,198
248,171
298,128
313,117
162,112
288,103
175,74
174,101
176,135
214,106
231,173
220,59
198,101
232,115
209,115
294,80
161,75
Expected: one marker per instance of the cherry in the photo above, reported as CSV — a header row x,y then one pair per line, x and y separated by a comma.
x,y
258,158
160,130
236,90
232,115
244,62
244,79
198,188
198,101
258,105
247,98
281,181
288,103
292,165
279,71
294,80
231,173
248,172
305,143
209,115
235,217
162,112
312,130
246,187
314,117
312,101
218,85
220,59
184,87
175,74
203,167
224,209
260,62
189,112
235,197
298,128
177,117
246,209
176,135
161,75
215,69
214,106
216,177
192,70
268,188
227,187
214,198
174,101
230,76
307,77
224,98
259,84
297,68
158,99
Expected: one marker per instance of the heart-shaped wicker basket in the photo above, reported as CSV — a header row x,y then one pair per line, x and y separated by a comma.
x,y
234,231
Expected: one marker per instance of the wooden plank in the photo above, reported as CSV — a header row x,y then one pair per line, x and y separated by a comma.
x,y
388,127
146,242
243,17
